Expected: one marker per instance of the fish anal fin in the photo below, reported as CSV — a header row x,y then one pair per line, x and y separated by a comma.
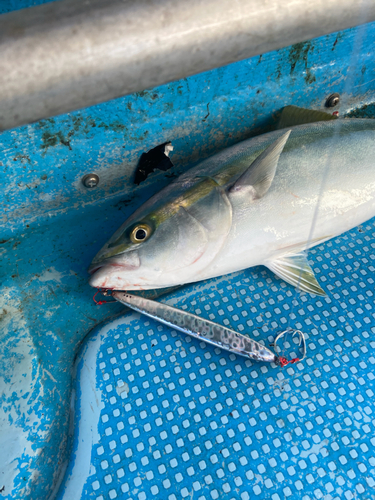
x,y
295,270
257,179
294,115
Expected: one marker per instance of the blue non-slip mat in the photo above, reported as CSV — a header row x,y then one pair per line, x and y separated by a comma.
x,y
161,415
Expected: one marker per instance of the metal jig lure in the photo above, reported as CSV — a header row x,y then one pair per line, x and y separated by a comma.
x,y
206,330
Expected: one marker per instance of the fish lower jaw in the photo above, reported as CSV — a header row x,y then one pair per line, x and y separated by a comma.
x,y
122,285
104,280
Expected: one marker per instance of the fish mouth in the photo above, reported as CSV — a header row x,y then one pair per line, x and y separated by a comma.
x,y
95,267
129,262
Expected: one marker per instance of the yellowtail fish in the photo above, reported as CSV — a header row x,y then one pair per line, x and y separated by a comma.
x,y
251,204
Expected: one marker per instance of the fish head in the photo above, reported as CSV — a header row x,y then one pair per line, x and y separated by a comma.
x,y
128,260
164,243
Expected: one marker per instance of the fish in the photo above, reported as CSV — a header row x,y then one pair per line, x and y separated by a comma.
x,y
264,201
206,330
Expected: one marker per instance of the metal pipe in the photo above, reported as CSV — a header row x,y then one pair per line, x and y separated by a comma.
x,y
69,54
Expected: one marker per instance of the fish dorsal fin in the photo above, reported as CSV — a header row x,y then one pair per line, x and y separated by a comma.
x,y
294,269
293,115
257,179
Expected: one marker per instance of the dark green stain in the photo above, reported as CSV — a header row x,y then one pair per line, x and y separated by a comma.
x,y
43,177
278,71
300,52
338,38
310,77
53,139
148,94
81,124
116,126
46,123
48,140
142,137
77,122
72,125
168,106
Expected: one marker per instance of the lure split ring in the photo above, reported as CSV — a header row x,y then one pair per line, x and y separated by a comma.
x,y
281,359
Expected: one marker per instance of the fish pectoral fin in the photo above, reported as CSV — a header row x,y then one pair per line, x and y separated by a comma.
x,y
294,269
294,115
257,179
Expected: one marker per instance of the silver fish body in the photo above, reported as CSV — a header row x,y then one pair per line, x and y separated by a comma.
x,y
236,210
197,327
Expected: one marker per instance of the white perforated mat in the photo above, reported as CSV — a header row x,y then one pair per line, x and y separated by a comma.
x,y
161,415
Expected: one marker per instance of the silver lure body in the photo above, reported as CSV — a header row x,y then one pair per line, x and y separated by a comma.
x,y
197,327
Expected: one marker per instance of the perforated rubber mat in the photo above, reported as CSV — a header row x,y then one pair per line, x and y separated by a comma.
x,y
161,415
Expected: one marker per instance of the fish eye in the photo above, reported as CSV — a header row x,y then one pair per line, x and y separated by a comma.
x,y
140,233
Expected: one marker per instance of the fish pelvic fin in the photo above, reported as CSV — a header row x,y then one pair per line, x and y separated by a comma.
x,y
295,270
257,179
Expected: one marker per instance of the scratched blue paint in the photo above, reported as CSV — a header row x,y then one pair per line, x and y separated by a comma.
x,y
52,226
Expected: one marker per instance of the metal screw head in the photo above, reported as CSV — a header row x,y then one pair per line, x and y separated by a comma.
x,y
332,100
90,180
